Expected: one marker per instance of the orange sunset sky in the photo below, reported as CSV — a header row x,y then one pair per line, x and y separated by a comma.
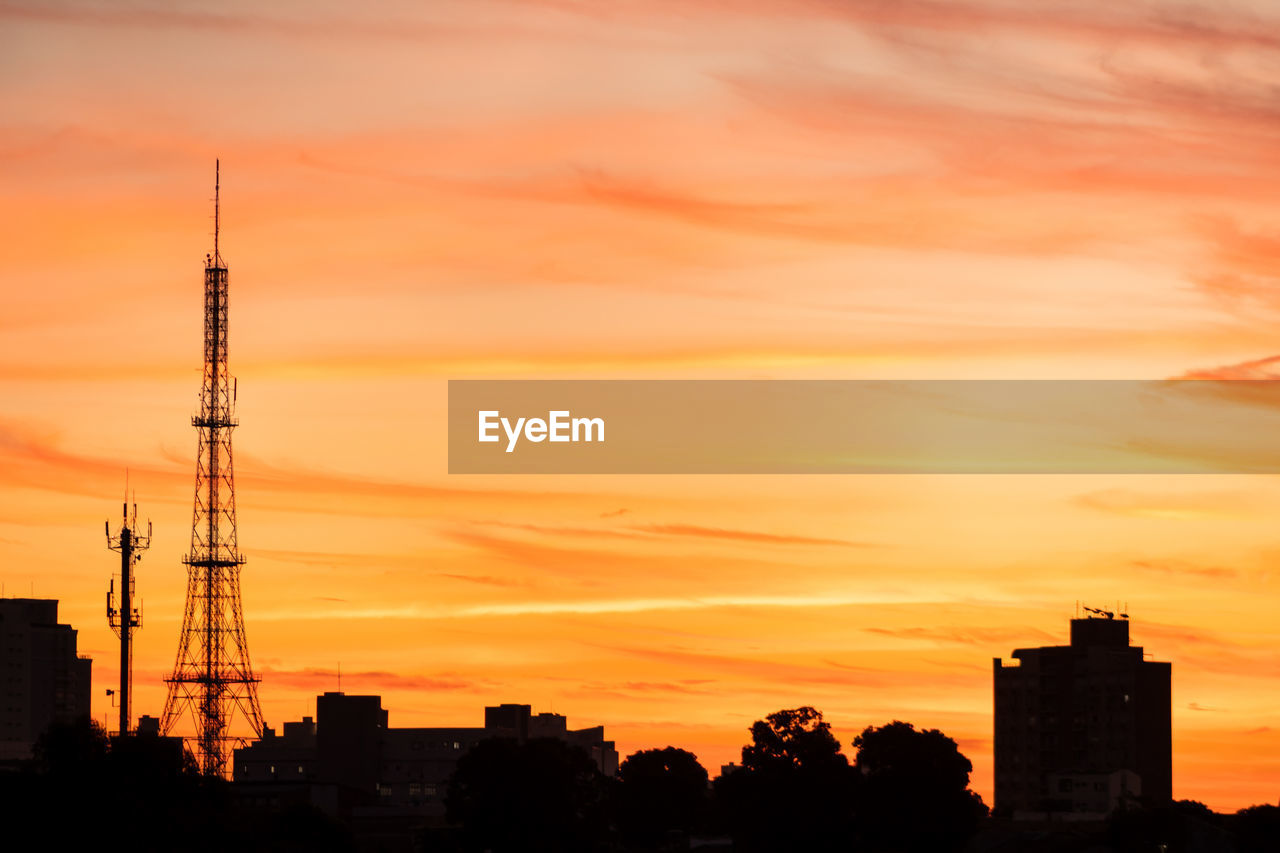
x,y
560,189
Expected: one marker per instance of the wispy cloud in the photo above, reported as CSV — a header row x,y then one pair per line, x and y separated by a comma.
x,y
789,672
324,679
485,580
1260,369
696,531
972,636
1196,706
641,532
1169,505
1183,568
588,607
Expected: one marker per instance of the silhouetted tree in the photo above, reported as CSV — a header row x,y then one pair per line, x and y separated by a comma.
x,y
1185,826
914,790
541,795
1257,829
795,738
1198,810
659,791
72,749
81,790
77,770
296,829
794,791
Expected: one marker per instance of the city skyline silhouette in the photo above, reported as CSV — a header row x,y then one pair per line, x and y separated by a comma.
x,y
536,191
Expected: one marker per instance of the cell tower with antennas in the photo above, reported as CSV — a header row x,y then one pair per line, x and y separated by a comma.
x,y
123,617
212,676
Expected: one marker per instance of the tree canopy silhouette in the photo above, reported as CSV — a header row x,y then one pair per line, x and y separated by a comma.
x,y
80,783
660,791
540,795
1183,826
914,790
797,739
794,790
1256,828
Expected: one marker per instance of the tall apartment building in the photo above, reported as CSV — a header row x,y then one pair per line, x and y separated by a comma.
x,y
1079,728
42,678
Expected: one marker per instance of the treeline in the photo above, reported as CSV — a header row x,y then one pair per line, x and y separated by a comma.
x,y
902,790
905,790
1187,826
85,791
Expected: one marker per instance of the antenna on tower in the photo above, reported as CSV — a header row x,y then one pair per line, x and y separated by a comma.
x,y
217,183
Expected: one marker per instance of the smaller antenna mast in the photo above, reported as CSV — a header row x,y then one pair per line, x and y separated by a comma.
x,y
123,617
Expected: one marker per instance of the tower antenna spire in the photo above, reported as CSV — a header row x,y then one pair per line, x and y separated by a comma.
x,y
217,183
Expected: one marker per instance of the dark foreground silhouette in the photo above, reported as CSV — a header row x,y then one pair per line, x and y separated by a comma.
x,y
85,791
904,791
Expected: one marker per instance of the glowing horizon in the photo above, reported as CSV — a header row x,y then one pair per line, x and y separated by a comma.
x,y
501,189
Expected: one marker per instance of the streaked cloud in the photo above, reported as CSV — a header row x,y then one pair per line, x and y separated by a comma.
x,y
763,538
584,606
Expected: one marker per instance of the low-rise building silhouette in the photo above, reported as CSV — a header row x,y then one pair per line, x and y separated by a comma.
x,y
349,761
1080,729
518,721
43,679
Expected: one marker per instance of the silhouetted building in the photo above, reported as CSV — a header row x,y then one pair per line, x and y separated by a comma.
x,y
519,722
148,726
349,739
1080,728
383,774
508,720
1094,794
42,679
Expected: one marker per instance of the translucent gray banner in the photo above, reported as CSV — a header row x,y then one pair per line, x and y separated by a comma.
x,y
864,427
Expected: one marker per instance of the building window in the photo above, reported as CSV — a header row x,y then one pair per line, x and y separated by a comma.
x,y
415,789
384,791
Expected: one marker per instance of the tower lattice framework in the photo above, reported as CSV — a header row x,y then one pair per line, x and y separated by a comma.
x,y
212,675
